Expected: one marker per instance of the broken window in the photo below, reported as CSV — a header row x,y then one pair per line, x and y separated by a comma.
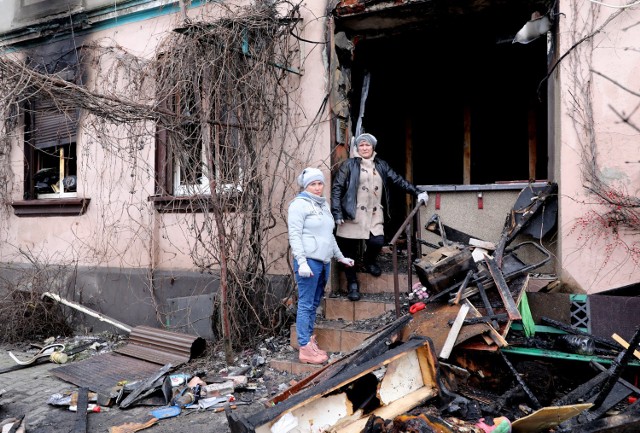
x,y
50,150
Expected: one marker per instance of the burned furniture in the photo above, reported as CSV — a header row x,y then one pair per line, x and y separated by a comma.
x,y
385,377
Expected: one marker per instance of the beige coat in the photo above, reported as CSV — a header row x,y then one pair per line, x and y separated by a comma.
x,y
369,212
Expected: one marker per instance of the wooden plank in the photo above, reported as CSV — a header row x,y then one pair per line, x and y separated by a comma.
x,y
466,147
433,322
503,289
482,244
624,344
82,404
493,333
453,334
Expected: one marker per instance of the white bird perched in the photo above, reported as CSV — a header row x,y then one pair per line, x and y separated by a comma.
x,y
533,29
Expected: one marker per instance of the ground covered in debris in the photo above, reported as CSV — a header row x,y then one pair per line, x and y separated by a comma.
x,y
479,385
41,385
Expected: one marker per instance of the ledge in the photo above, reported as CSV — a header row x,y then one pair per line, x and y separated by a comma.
x,y
501,186
51,207
191,203
173,204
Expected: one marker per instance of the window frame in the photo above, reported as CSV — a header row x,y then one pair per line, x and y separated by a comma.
x,y
63,133
173,195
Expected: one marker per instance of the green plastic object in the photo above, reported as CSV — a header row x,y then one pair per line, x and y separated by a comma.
x,y
528,324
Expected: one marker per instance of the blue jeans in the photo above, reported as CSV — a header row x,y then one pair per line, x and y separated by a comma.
x,y
310,293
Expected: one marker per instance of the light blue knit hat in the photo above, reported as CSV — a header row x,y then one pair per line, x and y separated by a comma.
x,y
368,138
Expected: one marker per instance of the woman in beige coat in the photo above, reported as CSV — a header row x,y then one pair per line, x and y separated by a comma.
x,y
359,198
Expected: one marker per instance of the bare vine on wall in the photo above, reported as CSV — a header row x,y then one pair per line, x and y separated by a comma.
x,y
614,214
219,96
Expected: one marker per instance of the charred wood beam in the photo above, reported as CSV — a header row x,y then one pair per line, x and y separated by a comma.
x,y
463,286
486,302
582,392
624,423
503,288
496,408
618,366
629,385
618,393
525,388
81,411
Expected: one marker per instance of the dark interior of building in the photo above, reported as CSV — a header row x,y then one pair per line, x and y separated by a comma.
x,y
450,92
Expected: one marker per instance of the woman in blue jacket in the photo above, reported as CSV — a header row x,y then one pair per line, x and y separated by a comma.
x,y
310,227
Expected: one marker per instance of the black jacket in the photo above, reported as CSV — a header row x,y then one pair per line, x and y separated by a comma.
x,y
344,189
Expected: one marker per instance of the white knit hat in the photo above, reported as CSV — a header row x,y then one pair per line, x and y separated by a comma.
x,y
309,175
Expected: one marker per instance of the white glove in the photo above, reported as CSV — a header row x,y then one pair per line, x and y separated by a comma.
x,y
423,197
347,262
304,270
340,222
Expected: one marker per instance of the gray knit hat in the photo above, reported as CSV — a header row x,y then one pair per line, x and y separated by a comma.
x,y
368,138
309,175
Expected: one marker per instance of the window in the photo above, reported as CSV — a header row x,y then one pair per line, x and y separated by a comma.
x,y
50,133
192,147
186,144
50,150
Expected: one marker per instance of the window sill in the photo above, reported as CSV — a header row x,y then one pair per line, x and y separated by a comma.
x,y
499,186
177,204
51,207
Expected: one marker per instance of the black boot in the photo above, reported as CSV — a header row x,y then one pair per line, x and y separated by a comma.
x,y
354,291
374,269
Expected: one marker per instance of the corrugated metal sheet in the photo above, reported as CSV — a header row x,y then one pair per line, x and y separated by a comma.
x,y
162,347
147,350
102,372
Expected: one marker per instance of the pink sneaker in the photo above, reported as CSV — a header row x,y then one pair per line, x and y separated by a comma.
x,y
309,355
314,342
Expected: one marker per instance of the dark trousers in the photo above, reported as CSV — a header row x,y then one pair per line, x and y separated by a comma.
x,y
350,248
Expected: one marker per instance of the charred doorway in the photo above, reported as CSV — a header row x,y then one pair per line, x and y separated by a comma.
x,y
450,96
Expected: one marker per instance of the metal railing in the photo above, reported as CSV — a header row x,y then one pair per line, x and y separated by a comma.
x,y
406,226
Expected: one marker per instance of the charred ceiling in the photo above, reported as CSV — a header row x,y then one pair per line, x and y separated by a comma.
x,y
391,16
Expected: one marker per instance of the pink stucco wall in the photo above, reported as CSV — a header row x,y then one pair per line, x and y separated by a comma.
x,y
121,228
600,77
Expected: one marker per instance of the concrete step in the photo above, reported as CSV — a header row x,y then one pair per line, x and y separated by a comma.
x,y
335,335
381,284
369,306
291,365
343,325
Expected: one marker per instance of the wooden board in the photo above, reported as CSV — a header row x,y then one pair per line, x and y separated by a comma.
x,y
547,417
433,322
